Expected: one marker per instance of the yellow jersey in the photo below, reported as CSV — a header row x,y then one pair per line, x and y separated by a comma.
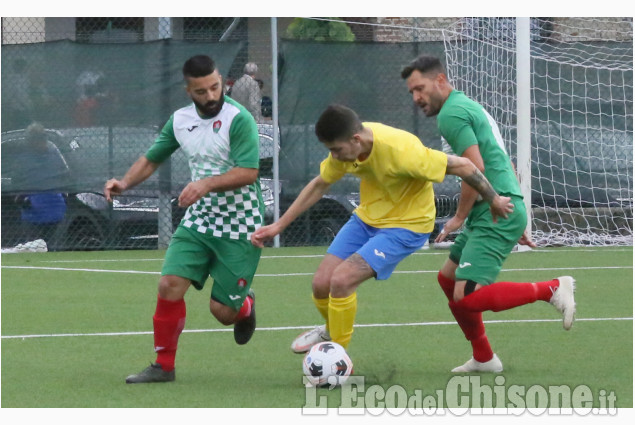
x,y
395,180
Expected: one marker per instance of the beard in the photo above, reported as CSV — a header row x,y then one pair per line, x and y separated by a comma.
x,y
211,108
429,109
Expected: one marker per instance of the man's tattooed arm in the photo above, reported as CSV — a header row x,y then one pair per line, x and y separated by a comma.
x,y
464,168
471,175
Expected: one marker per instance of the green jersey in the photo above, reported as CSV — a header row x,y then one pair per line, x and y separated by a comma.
x,y
464,123
213,146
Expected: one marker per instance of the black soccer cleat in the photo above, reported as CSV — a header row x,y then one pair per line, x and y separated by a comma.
x,y
152,373
244,329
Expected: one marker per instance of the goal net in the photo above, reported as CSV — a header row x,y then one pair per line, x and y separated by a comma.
x,y
581,117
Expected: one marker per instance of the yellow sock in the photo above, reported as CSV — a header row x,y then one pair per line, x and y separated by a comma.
x,y
342,313
322,305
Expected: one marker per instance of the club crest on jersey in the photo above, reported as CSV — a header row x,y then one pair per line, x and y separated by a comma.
x,y
242,283
216,126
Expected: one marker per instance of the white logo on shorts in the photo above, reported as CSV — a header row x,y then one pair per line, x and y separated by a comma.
x,y
380,254
234,297
466,264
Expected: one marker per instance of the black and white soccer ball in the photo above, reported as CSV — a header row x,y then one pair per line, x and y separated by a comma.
x,y
327,364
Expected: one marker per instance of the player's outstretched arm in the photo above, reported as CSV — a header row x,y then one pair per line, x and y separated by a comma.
x,y
464,168
312,193
138,172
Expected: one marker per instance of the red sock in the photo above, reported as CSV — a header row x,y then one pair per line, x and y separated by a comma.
x,y
505,295
471,323
169,321
245,310
447,285
473,328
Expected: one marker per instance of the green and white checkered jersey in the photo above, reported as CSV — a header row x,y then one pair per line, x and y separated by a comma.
x,y
213,146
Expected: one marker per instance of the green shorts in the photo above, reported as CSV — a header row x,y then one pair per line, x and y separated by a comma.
x,y
231,263
483,246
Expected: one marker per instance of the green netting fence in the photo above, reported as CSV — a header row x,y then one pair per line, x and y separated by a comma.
x,y
101,88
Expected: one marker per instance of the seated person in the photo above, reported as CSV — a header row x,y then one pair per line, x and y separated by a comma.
x,y
42,174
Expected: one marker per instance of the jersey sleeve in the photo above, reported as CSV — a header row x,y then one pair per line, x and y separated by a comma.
x,y
164,145
244,141
332,170
456,128
425,164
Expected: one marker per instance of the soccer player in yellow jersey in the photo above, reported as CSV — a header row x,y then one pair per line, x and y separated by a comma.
x,y
394,219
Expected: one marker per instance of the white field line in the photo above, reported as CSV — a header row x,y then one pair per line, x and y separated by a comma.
x,y
285,328
269,257
304,273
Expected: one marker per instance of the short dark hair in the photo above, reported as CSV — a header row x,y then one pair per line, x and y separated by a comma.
x,y
423,64
337,122
198,66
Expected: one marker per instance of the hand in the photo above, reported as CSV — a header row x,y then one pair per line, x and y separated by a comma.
x,y
113,187
525,239
264,234
192,193
500,207
451,225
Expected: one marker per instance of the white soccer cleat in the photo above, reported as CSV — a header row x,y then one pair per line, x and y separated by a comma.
x,y
494,365
308,339
563,300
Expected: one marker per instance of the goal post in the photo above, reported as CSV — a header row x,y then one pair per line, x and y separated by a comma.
x,y
523,115
570,80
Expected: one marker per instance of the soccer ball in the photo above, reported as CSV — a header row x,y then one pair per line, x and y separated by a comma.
x,y
327,364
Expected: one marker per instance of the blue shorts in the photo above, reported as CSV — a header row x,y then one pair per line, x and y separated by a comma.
x,y
382,249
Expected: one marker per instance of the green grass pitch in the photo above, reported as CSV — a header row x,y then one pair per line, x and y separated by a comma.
x,y
74,325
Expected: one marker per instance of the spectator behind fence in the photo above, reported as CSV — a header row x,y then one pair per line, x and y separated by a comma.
x,y
44,172
266,104
96,101
246,91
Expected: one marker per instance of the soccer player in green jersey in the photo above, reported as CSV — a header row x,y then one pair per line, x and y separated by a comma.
x,y
220,139
467,277
394,218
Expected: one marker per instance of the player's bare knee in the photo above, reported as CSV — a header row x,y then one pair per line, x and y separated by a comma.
x,y
341,285
173,288
321,286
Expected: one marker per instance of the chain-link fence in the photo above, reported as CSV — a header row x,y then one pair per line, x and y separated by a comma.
x,y
100,89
